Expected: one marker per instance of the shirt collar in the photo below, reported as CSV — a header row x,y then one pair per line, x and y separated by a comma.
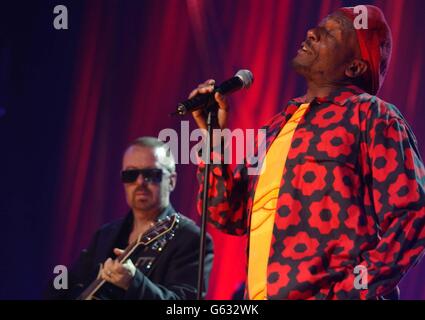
x,y
168,211
339,96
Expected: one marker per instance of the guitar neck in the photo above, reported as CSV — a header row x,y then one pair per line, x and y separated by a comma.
x,y
128,251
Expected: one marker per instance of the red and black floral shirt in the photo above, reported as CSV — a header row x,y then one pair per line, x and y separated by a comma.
x,y
352,194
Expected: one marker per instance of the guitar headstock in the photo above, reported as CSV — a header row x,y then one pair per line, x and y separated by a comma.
x,y
159,229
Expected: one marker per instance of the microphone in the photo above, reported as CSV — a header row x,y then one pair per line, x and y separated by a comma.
x,y
242,79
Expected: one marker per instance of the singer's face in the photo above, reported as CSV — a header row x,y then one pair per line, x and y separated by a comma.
x,y
327,50
147,197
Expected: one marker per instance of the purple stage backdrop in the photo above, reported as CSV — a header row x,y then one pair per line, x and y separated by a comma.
x,y
72,99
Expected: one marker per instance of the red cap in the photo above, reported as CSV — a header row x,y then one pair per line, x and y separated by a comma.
x,y
375,45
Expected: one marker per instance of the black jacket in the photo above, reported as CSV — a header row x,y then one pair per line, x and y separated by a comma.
x,y
173,274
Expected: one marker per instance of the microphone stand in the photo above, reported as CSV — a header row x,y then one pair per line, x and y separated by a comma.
x,y
212,108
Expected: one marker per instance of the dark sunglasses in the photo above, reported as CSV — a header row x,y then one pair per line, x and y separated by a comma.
x,y
149,175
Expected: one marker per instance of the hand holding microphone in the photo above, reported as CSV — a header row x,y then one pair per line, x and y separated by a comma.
x,y
199,97
223,107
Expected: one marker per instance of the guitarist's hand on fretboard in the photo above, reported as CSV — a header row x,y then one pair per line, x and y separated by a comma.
x,y
121,271
117,273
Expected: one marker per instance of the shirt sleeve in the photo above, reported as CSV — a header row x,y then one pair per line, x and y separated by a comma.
x,y
80,274
227,195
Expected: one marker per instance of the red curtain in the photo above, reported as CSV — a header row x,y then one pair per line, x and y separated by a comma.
x,y
138,59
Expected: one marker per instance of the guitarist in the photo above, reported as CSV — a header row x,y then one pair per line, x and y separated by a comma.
x,y
170,272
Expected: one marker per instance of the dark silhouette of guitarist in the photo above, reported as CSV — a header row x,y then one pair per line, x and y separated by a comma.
x,y
167,267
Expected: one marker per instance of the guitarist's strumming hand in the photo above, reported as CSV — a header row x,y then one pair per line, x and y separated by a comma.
x,y
117,273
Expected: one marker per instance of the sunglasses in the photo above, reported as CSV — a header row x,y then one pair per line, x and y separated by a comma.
x,y
149,175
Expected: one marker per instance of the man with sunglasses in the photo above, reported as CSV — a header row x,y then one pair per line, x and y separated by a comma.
x,y
148,175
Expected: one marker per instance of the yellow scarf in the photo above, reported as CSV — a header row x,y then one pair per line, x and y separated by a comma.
x,y
264,207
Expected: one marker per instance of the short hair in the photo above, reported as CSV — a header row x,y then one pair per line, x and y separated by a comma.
x,y
163,152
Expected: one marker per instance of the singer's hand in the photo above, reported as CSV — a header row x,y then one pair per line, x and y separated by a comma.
x,y
223,107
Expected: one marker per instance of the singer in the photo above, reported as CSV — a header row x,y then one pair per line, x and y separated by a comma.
x,y
343,188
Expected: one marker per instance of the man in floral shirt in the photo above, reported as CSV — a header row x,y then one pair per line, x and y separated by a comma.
x,y
342,193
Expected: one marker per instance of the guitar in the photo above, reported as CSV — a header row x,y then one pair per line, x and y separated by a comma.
x,y
147,239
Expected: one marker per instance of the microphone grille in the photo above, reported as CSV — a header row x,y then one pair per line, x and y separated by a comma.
x,y
246,76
